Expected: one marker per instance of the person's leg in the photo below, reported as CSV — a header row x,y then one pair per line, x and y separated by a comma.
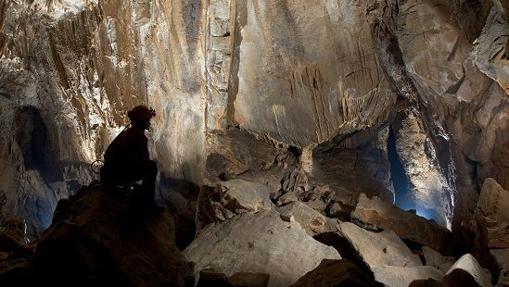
x,y
108,177
115,175
149,181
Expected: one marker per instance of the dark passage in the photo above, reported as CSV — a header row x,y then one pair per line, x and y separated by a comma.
x,y
32,136
398,175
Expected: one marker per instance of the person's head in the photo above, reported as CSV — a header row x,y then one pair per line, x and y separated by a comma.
x,y
140,116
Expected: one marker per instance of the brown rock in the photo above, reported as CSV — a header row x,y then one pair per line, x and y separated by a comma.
x,y
490,51
406,225
210,278
379,249
467,272
501,257
249,279
437,260
336,273
427,283
310,219
493,214
229,198
503,278
113,241
258,242
397,276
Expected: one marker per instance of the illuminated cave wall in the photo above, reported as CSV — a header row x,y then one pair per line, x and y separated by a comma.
x,y
354,87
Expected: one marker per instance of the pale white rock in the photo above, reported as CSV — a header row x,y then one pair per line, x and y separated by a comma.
x,y
379,249
258,242
311,220
252,196
467,263
435,259
493,213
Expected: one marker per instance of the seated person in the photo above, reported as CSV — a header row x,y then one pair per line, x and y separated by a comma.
x,y
127,159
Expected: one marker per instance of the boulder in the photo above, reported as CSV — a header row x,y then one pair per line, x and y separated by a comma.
x,y
180,196
503,278
249,279
16,272
245,195
493,214
337,273
501,257
211,278
258,242
379,249
467,272
405,224
106,239
398,276
385,254
229,198
240,279
13,242
437,260
311,220
427,283
12,235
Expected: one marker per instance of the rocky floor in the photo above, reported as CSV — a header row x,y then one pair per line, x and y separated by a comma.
x,y
104,238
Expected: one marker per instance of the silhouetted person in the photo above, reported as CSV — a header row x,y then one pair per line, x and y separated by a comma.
x,y
127,159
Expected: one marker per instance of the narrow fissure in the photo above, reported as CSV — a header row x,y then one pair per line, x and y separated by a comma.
x,y
398,176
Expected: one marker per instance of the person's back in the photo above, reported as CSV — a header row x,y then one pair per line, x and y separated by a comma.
x,y
126,159
129,148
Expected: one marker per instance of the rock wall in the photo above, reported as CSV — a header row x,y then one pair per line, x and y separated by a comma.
x,y
299,95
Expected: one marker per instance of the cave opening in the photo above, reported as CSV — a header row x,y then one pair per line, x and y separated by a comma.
x,y
34,139
399,178
403,197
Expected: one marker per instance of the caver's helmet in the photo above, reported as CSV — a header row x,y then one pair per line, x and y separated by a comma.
x,y
140,116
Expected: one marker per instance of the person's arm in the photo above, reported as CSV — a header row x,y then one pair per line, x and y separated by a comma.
x,y
141,154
